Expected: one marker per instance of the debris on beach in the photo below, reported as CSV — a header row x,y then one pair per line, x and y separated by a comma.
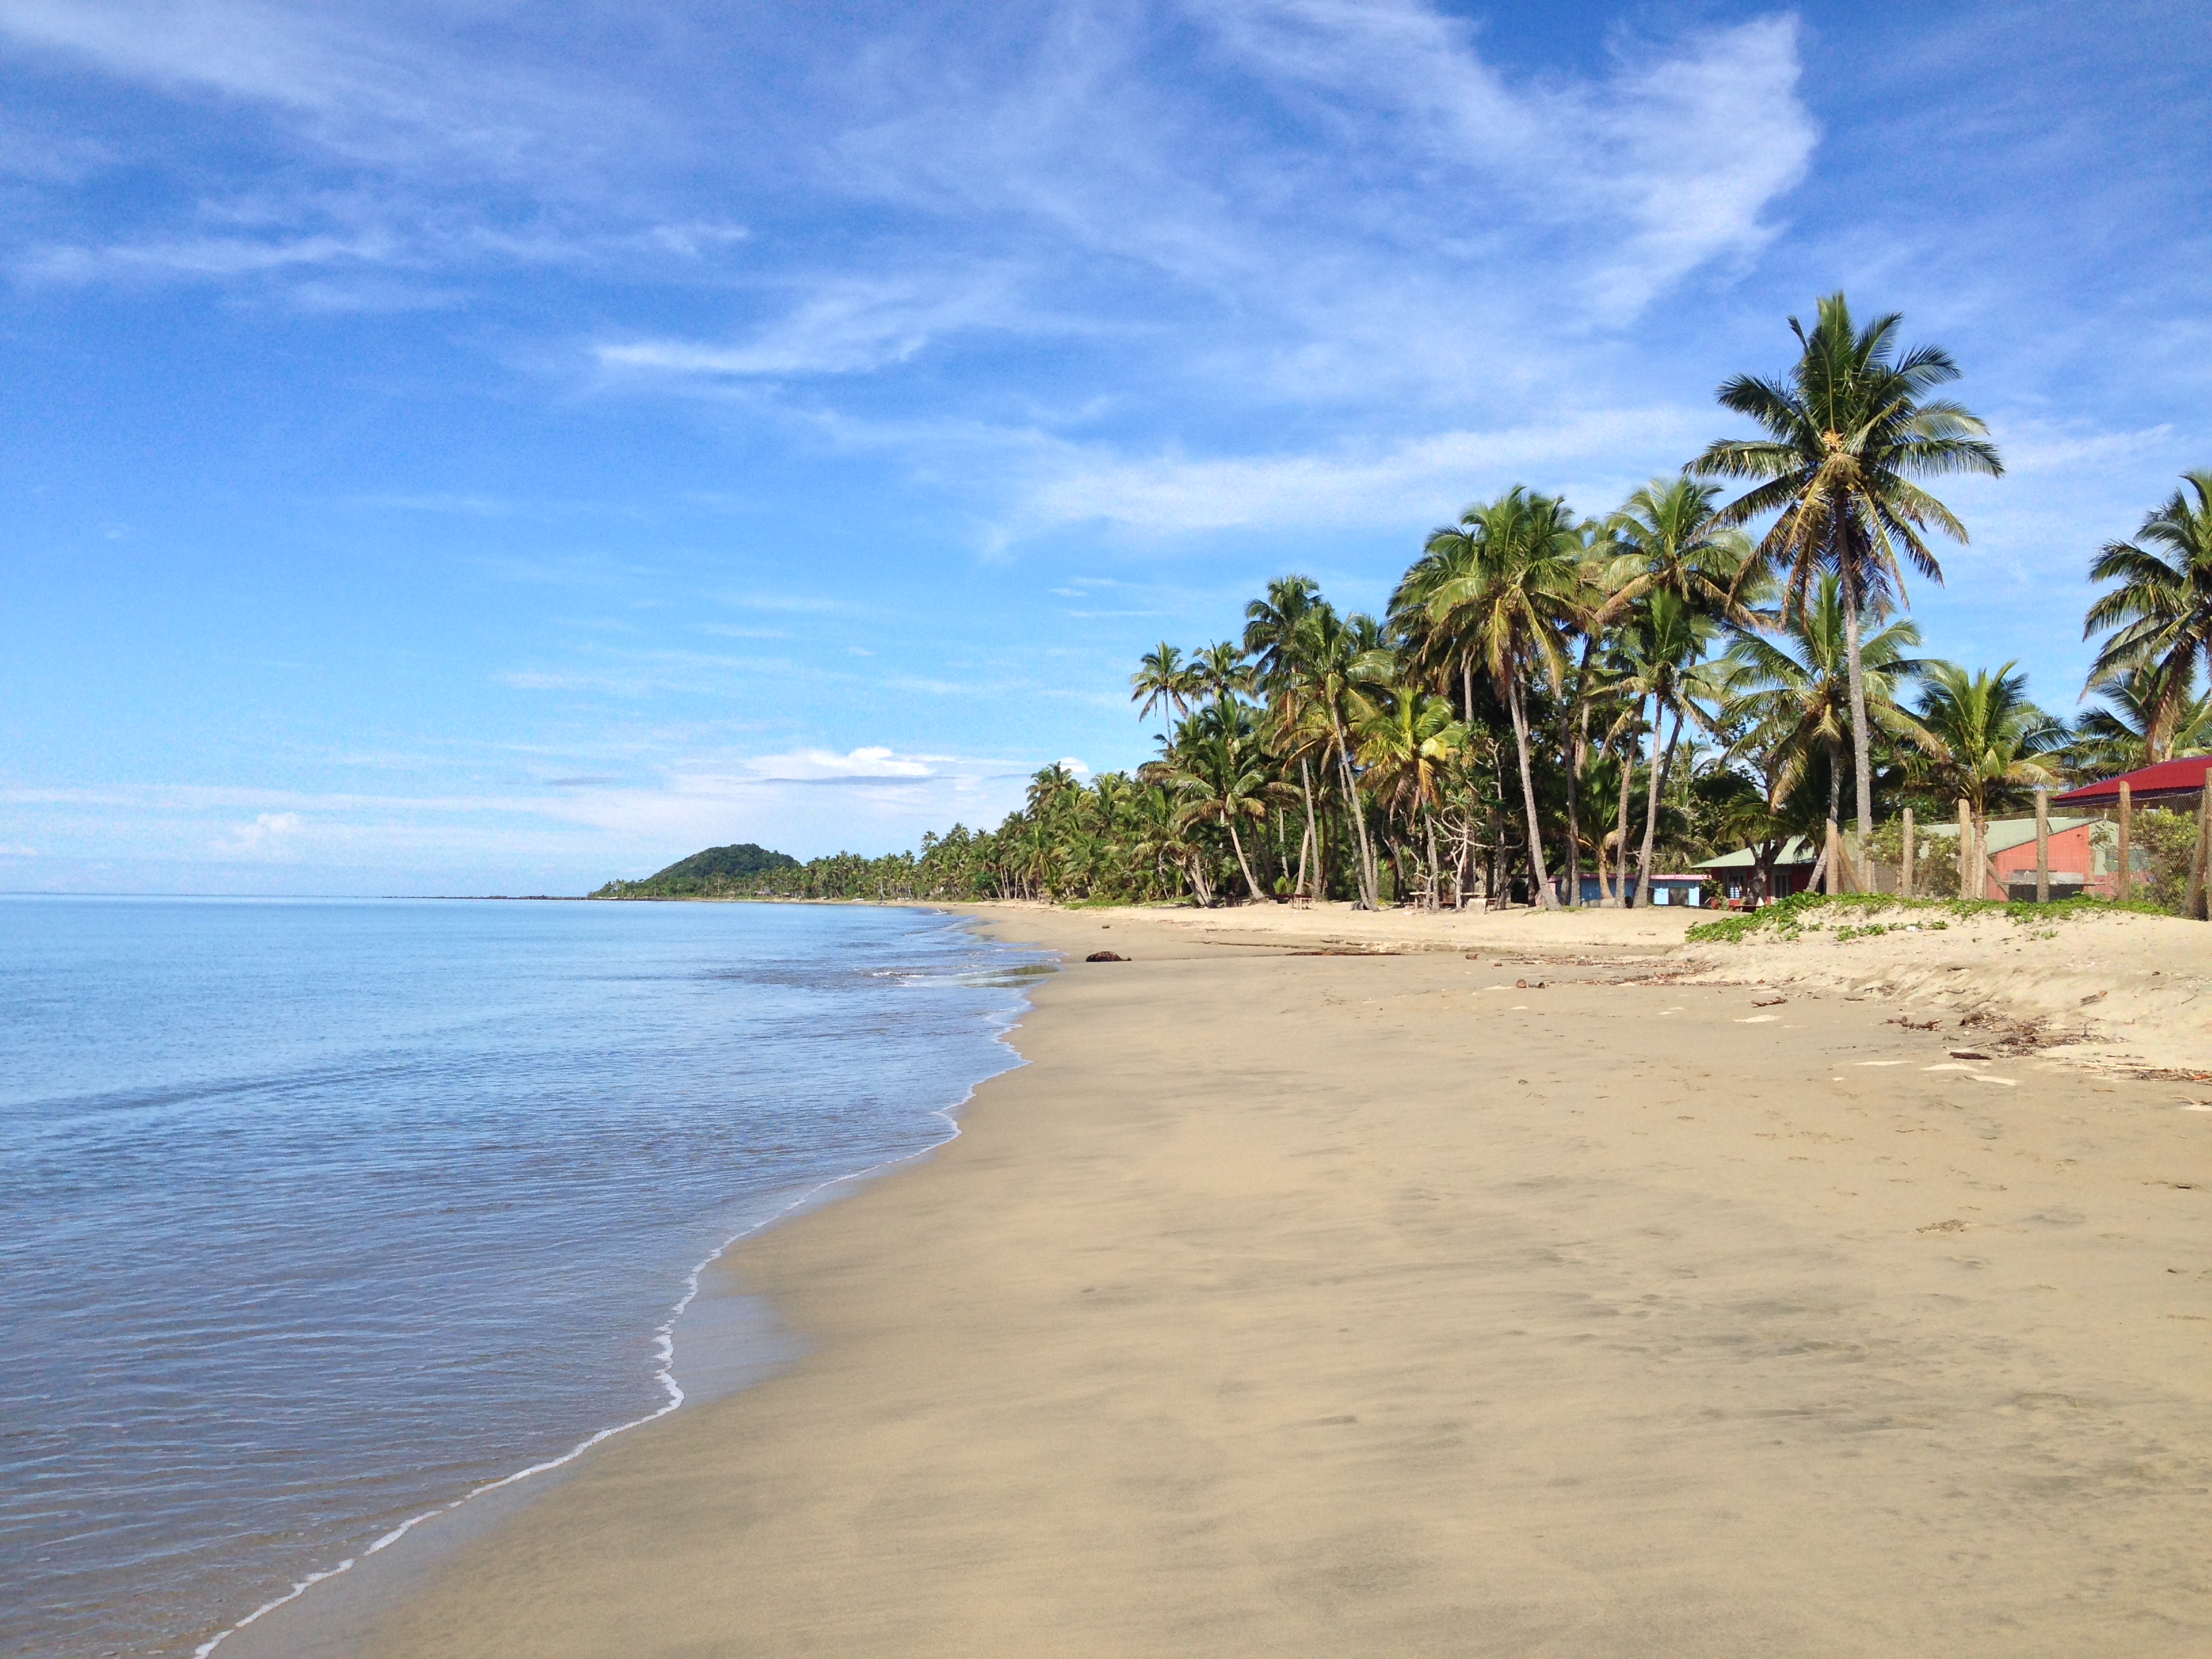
x,y
1104,955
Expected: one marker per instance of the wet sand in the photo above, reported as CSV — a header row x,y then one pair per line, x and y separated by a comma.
x,y
1371,1305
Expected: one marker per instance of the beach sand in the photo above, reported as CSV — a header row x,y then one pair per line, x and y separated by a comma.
x,y
1370,1303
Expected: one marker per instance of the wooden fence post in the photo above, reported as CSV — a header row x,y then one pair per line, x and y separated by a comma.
x,y
1967,888
2192,904
2127,851
2042,844
1904,865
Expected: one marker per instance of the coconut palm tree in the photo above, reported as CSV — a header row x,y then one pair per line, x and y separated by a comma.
x,y
2159,613
1846,434
1669,537
1274,632
1222,779
1788,688
1407,746
1221,673
2141,721
1990,742
1338,658
1164,679
1514,595
1663,651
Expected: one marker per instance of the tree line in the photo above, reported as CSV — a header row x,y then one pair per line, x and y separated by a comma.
x,y
1724,661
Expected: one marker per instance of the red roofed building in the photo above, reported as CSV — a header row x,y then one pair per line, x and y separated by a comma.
x,y
2169,783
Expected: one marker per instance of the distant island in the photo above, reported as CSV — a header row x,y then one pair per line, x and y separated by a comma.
x,y
733,872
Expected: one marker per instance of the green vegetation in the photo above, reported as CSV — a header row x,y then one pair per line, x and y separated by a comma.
x,y
1846,916
1537,673
718,873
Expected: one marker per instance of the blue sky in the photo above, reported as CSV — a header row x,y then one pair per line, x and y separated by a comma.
x,y
482,448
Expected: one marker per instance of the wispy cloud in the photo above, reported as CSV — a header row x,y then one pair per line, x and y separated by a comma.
x,y
842,326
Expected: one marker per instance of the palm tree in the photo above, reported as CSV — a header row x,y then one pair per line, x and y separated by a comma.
x,y
1164,679
1989,741
1514,592
2142,720
1672,539
1663,649
1407,746
1846,434
1338,657
1789,686
1221,778
1220,672
1274,632
2160,612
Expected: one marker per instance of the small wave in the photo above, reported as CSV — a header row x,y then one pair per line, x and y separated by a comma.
x,y
664,1337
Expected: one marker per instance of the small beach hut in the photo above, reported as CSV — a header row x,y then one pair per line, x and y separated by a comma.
x,y
1734,876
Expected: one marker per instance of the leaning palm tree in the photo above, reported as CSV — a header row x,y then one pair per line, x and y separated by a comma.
x,y
1338,658
1223,780
2160,613
1990,742
1846,434
1515,594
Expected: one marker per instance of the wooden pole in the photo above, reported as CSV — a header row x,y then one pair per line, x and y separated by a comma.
x,y
2192,904
1905,867
2127,852
2042,845
1966,887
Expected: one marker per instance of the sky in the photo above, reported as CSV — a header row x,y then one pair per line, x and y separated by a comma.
x,y
466,449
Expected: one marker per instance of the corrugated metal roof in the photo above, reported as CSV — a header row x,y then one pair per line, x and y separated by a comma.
x,y
2004,835
2186,776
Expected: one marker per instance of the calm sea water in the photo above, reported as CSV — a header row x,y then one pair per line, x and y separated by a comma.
x,y
317,1215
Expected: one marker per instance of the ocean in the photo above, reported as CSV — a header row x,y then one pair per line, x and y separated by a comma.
x,y
317,1215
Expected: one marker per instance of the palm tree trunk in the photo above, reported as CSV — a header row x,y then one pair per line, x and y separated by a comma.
x,y
1620,825
1305,784
1861,749
1661,766
1574,743
1651,805
1435,869
1244,864
1367,883
1540,879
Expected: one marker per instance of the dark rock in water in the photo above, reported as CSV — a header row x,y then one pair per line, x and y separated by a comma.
x,y
1104,955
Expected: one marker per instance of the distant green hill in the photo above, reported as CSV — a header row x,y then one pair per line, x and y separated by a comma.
x,y
718,873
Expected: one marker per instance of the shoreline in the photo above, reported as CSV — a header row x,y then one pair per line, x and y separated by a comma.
x,y
384,1569
1325,1302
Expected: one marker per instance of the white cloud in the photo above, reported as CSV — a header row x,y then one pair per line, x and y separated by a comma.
x,y
842,327
1388,483
271,834
822,766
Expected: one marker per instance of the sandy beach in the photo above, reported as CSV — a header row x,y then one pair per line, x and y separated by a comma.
x,y
1317,1289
